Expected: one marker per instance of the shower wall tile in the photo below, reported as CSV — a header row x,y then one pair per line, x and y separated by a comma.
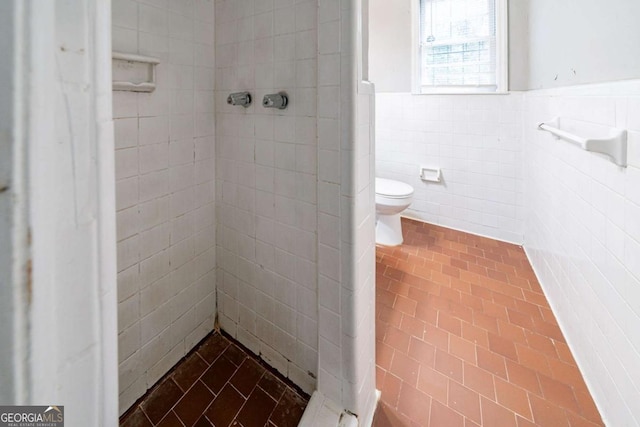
x,y
165,171
266,196
476,141
345,161
582,238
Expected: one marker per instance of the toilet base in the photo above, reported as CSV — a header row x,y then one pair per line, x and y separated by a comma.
x,y
388,230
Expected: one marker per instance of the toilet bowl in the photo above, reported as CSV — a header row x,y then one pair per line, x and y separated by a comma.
x,y
392,197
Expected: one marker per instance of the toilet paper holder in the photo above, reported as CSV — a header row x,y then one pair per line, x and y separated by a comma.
x,y
430,174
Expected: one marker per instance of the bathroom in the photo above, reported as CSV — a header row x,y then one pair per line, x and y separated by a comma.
x,y
221,263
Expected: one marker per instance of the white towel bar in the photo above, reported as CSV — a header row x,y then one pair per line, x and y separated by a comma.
x,y
613,143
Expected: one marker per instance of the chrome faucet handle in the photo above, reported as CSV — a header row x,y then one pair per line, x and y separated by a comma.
x,y
275,100
239,98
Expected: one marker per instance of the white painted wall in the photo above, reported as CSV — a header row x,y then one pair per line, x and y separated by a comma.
x,y
165,171
475,140
583,238
582,230
390,46
575,42
266,182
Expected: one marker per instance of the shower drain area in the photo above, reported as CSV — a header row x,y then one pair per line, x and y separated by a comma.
x,y
219,383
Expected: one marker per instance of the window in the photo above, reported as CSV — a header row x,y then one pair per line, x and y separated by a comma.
x,y
461,46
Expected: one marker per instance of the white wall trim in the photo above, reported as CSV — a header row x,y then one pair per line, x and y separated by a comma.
x,y
107,259
72,336
14,226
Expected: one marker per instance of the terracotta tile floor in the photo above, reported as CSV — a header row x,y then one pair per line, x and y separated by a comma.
x,y
465,337
219,384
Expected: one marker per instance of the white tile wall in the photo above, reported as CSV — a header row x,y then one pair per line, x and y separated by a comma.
x,y
266,182
165,190
345,214
583,238
476,141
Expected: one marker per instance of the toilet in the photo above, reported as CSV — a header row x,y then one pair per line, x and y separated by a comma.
x,y
392,197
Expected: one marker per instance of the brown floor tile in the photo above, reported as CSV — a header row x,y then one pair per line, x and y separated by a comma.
x,y
523,377
218,374
256,411
213,347
495,415
397,339
464,401
421,351
386,416
136,419
213,395
558,393
390,389
475,334
289,410
502,346
522,422
193,404
546,414
479,380
272,385
490,352
234,354
449,323
384,355
533,359
161,400
565,373
189,371
448,365
414,327
442,415
463,349
225,407
170,420
414,404
491,362
203,422
406,368
247,376
513,397
433,383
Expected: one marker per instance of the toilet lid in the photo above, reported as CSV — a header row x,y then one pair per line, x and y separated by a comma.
x,y
391,188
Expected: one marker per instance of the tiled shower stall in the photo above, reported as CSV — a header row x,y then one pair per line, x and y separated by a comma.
x,y
285,261
164,190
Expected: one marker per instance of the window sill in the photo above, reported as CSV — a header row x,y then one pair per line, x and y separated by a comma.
x,y
461,93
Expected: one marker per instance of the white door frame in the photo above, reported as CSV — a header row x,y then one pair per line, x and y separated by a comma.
x,y
58,272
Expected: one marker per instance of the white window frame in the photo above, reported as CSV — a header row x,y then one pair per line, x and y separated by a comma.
x,y
502,57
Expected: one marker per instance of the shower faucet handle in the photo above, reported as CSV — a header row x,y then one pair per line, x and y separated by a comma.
x,y
275,100
239,98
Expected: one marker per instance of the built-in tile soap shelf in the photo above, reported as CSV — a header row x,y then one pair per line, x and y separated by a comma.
x,y
134,73
605,140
